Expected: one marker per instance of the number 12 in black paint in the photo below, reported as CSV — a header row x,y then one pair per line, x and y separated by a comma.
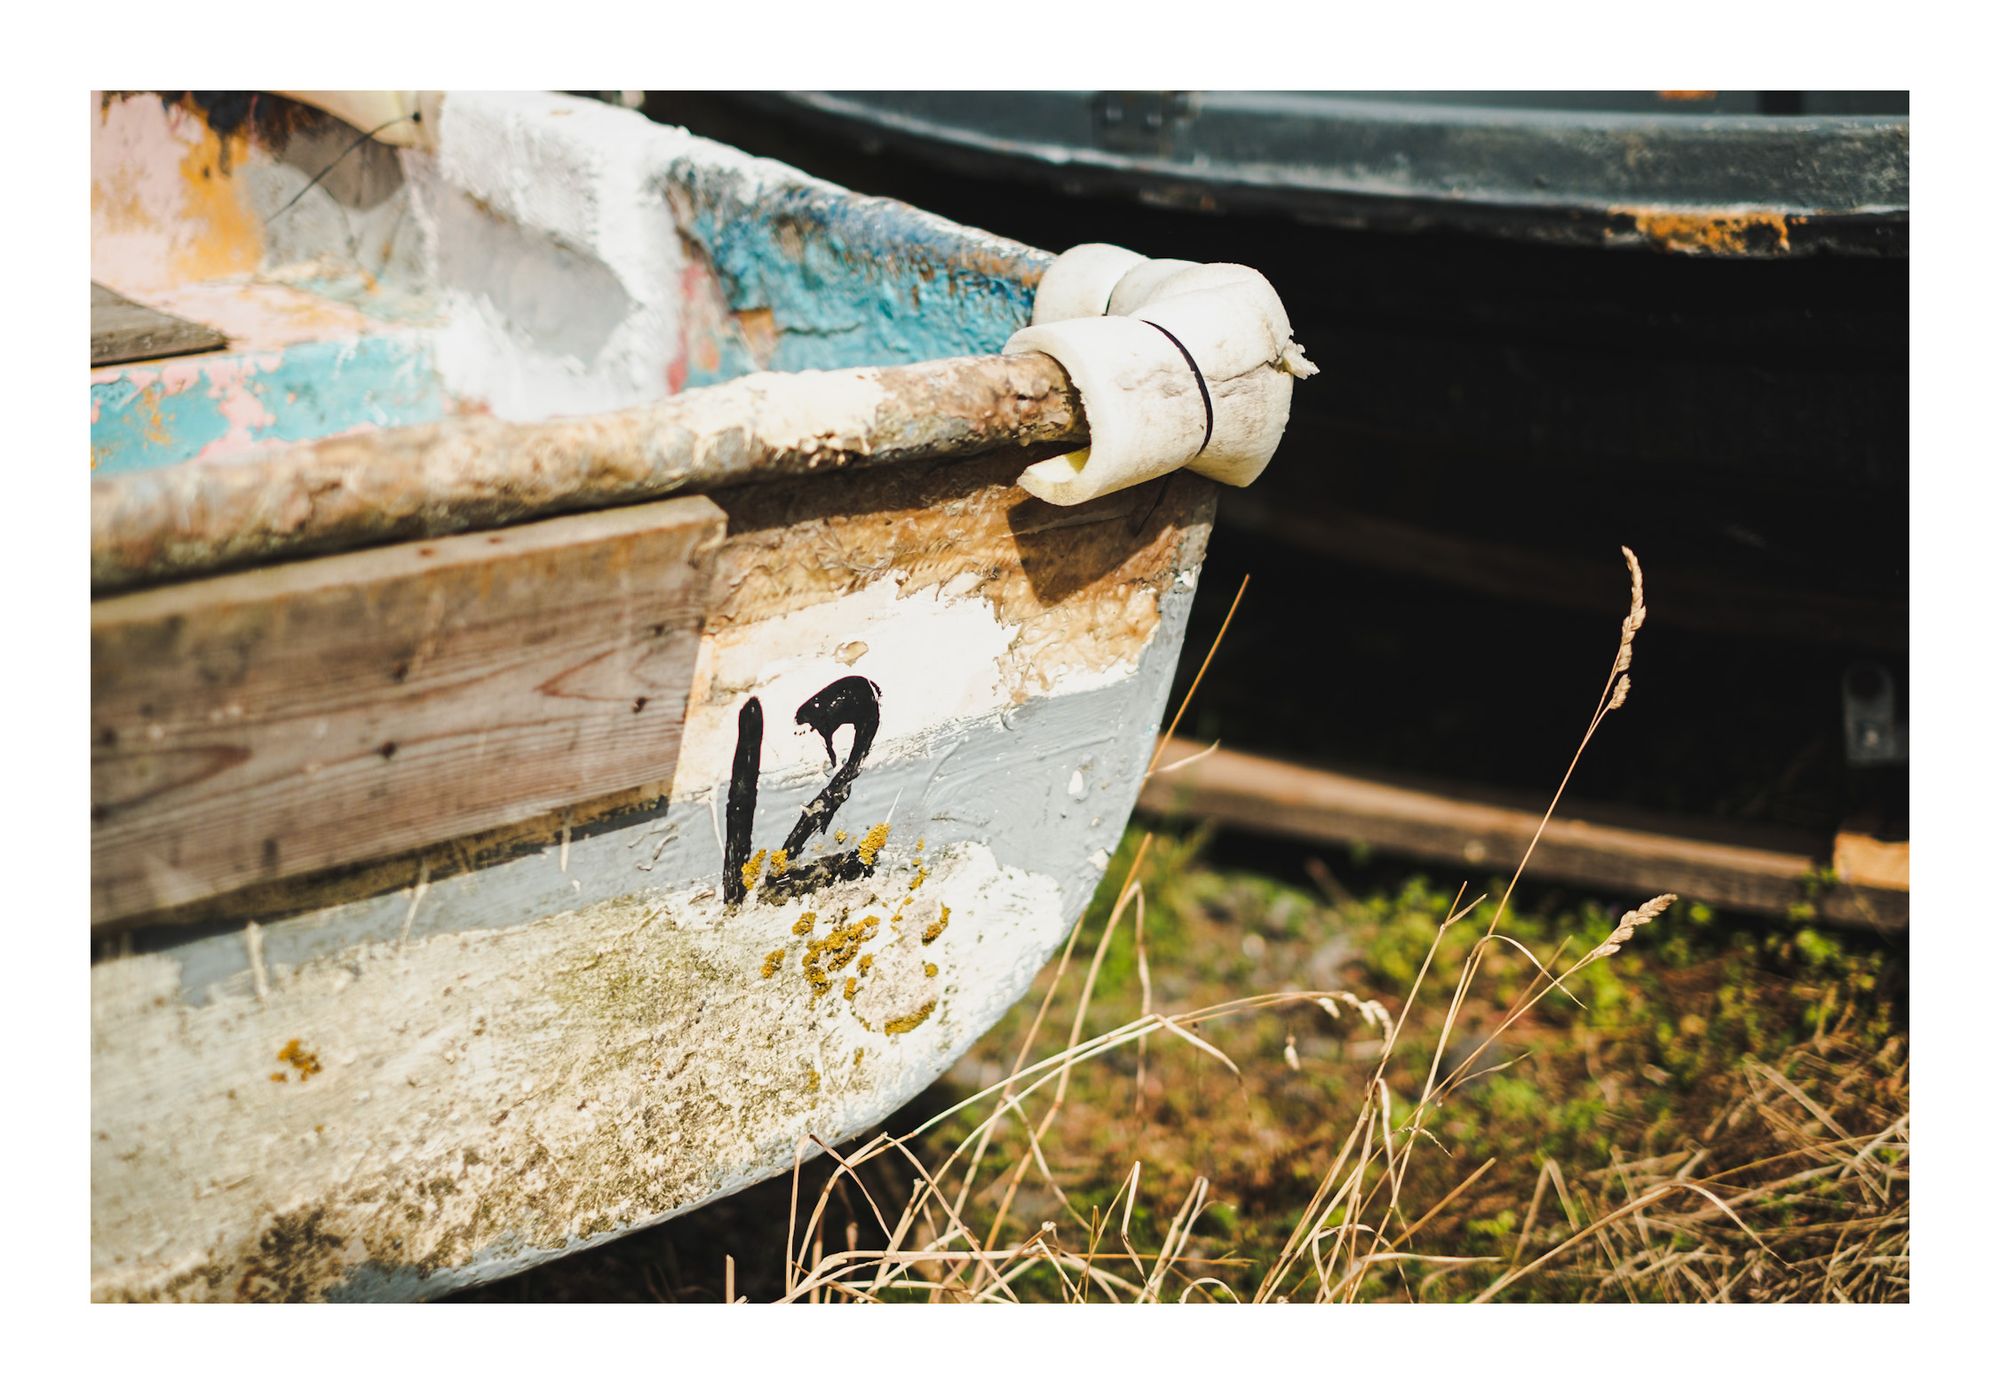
x,y
851,701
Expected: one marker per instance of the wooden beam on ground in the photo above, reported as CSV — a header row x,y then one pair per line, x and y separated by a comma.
x,y
1270,796
302,717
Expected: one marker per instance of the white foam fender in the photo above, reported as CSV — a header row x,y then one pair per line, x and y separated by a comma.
x,y
1187,366
1078,283
1143,282
1143,404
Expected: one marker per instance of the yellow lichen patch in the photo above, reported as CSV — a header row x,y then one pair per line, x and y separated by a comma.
x,y
937,926
871,845
858,1053
853,985
917,881
780,859
812,1078
827,956
752,868
805,924
773,961
930,970
840,835
920,844
867,962
897,1025
299,1058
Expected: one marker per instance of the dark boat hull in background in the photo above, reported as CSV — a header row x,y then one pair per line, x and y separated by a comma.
x,y
1717,173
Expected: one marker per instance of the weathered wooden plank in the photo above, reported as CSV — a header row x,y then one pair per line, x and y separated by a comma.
x,y
1274,797
1862,859
124,331
308,716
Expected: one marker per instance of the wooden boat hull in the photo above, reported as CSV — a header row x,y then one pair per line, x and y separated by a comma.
x,y
434,1066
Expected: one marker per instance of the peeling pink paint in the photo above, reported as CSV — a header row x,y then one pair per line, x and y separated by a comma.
x,y
229,389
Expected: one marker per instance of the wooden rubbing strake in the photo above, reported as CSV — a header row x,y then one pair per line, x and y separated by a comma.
x,y
467,472
123,331
306,716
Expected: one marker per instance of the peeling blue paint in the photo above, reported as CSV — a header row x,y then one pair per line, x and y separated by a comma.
x,y
137,424
856,282
155,414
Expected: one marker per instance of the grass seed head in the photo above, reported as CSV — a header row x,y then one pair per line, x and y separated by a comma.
x,y
1630,921
1635,616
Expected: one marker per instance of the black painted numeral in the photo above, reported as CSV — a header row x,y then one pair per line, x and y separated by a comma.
x,y
851,701
741,810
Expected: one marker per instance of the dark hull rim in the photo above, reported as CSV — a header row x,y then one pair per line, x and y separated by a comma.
x,y
1716,185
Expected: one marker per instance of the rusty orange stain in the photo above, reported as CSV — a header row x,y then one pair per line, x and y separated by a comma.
x,y
1709,231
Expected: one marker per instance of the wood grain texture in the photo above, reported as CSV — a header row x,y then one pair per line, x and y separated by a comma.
x,y
123,331
312,715
1271,796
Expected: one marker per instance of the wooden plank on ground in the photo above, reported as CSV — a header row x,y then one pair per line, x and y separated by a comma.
x,y
302,717
1866,860
124,331
1271,796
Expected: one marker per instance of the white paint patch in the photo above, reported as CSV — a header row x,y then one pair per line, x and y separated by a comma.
x,y
558,261
940,656
936,661
790,411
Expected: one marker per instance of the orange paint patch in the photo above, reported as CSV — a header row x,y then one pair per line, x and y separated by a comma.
x,y
165,208
156,425
759,331
228,241
1711,233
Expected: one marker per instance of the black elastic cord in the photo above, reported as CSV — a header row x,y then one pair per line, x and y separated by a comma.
x,y
1207,406
359,141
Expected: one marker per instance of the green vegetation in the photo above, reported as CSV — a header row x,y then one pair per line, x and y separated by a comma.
x,y
1704,1052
